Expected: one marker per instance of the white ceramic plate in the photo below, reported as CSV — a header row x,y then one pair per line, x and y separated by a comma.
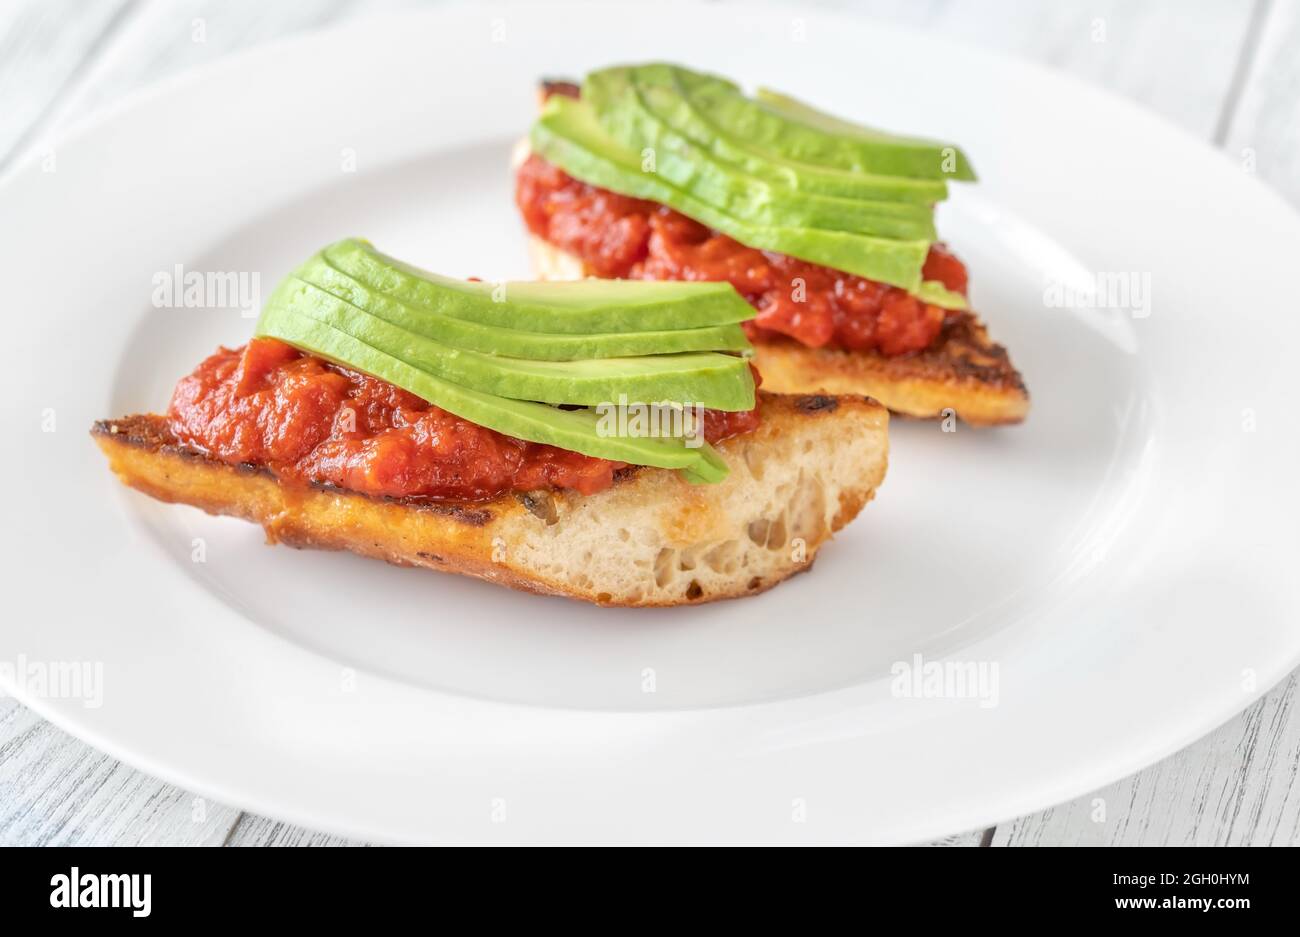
x,y
1126,558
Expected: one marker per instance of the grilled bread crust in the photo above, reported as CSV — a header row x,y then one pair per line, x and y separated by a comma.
x,y
963,374
649,540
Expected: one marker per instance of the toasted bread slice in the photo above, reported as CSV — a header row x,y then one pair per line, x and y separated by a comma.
x,y
964,374
650,540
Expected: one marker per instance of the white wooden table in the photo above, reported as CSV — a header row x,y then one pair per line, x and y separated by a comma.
x,y
1227,71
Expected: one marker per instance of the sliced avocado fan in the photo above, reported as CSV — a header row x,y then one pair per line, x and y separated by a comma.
x,y
771,172
617,98
488,358
709,379
568,135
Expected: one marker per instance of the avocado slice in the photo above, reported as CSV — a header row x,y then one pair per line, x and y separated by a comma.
x,y
936,294
493,340
800,132
662,94
617,101
575,430
582,307
568,135
708,379
908,156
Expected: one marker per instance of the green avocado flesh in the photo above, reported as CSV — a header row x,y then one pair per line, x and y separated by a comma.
x,y
469,335
802,131
616,99
436,338
779,124
936,294
772,173
568,135
708,379
662,92
583,307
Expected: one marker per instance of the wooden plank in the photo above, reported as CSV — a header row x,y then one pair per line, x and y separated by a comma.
x,y
44,46
1263,135
1237,786
259,831
1175,56
55,790
168,37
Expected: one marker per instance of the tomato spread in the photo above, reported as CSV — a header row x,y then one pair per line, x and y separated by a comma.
x,y
311,421
627,238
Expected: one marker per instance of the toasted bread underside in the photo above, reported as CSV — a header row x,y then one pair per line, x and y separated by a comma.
x,y
649,540
964,374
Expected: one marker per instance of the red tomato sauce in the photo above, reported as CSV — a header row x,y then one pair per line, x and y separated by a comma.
x,y
628,238
310,421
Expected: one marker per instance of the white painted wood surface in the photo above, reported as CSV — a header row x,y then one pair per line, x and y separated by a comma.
x,y
1236,786
1227,71
44,49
